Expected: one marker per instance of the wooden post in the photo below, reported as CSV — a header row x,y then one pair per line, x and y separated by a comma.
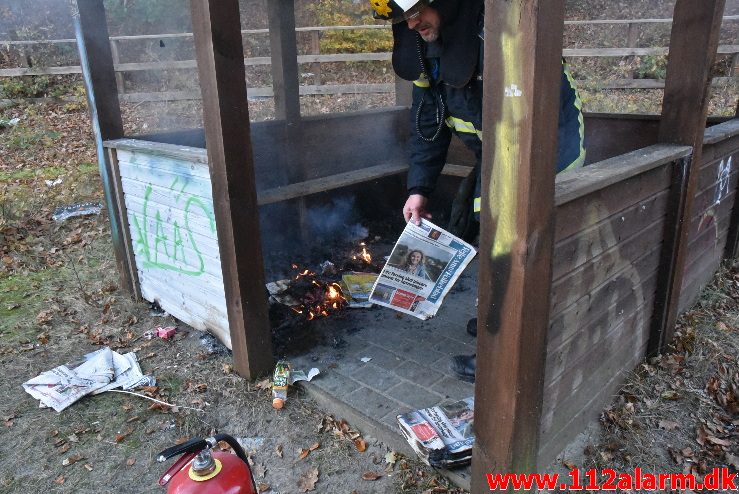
x,y
219,50
632,37
119,82
693,45
315,49
403,92
284,52
91,31
523,49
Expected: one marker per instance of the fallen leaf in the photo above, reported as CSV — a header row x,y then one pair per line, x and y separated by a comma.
x,y
72,438
391,457
44,317
60,480
315,446
720,442
264,384
88,467
278,450
569,464
130,462
303,453
371,475
307,481
361,445
228,369
669,395
668,425
72,460
701,436
64,448
262,487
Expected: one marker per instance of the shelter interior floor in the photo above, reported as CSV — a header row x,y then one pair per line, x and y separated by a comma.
x,y
409,366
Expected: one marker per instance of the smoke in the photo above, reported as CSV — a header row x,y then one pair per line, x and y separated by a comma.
x,y
336,221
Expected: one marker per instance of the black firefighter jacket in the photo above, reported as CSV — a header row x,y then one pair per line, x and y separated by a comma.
x,y
447,96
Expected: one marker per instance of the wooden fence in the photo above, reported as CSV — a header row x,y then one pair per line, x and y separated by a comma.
x,y
316,59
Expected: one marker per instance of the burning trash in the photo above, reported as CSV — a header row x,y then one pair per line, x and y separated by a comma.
x,y
308,293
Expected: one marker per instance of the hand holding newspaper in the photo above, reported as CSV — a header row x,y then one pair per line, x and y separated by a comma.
x,y
423,266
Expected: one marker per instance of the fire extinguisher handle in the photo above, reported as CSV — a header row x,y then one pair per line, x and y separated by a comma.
x,y
234,445
192,446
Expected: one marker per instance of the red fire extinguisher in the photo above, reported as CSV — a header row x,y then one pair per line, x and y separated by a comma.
x,y
202,471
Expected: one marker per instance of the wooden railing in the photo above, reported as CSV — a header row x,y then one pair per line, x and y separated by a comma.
x,y
316,58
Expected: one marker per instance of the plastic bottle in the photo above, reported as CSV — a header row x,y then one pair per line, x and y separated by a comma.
x,y
279,384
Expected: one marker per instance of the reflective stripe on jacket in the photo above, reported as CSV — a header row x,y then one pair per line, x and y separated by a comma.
x,y
463,117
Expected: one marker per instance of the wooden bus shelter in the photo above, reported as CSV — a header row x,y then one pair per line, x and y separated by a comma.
x,y
579,278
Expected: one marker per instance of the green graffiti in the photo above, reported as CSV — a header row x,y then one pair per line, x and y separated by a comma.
x,y
165,249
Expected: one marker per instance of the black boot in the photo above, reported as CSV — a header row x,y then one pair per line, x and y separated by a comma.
x,y
472,326
463,367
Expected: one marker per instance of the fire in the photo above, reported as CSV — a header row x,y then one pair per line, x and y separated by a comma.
x,y
319,298
364,255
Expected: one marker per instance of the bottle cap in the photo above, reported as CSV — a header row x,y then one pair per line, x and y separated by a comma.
x,y
278,403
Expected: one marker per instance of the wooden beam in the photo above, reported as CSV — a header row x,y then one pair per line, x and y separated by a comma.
x,y
218,45
96,61
693,44
346,179
284,52
523,46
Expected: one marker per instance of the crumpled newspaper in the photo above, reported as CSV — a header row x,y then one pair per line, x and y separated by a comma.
x,y
299,375
95,373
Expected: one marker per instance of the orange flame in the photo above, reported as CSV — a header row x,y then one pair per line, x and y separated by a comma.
x,y
364,255
332,298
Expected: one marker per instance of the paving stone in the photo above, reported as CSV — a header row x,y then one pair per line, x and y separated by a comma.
x,y
414,395
335,383
449,346
370,375
380,356
454,389
391,420
420,351
371,403
419,374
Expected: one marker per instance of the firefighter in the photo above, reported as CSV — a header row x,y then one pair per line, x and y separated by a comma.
x,y
438,44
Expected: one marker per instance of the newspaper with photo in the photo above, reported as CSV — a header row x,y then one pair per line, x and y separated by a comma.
x,y
423,266
442,436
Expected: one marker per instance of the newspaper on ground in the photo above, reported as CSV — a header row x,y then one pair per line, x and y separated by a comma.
x,y
423,266
95,373
442,436
357,287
